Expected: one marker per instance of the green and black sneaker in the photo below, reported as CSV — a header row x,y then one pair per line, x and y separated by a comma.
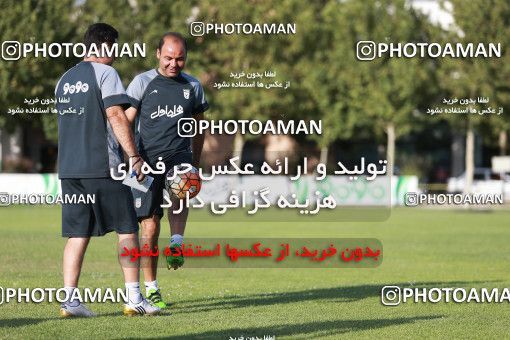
x,y
154,296
175,260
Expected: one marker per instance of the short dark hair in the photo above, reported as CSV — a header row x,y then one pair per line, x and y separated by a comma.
x,y
173,35
100,33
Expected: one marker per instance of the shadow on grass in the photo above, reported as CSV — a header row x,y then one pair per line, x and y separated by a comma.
x,y
305,330
334,294
22,322
329,295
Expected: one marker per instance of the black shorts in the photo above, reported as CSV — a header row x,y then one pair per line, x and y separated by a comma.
x,y
112,209
149,203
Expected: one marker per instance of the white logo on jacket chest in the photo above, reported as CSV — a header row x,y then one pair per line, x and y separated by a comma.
x,y
78,87
185,92
165,111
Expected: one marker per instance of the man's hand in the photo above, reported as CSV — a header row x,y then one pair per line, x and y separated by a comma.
x,y
136,162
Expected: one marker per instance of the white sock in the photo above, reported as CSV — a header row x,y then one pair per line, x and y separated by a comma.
x,y
176,238
151,285
134,295
70,302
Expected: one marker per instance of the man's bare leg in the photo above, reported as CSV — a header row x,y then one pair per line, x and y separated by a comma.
x,y
150,235
131,270
177,227
137,304
74,251
177,221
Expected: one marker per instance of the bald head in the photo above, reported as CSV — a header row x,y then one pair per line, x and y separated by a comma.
x,y
171,54
172,36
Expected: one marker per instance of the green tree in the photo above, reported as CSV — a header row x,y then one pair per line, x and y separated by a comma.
x,y
220,55
30,21
479,21
137,22
382,94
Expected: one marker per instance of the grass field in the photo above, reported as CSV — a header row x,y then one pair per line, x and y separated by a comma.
x,y
424,248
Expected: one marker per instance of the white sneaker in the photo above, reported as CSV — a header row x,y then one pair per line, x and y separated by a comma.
x,y
67,311
141,308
